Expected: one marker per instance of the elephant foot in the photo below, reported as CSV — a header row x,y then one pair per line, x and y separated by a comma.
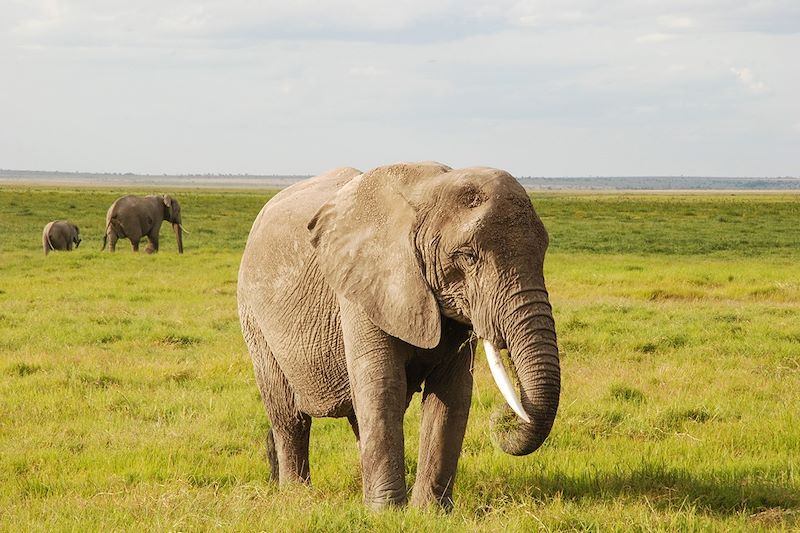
x,y
429,500
386,499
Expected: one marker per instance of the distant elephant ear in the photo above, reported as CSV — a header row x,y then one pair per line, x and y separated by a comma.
x,y
167,200
364,240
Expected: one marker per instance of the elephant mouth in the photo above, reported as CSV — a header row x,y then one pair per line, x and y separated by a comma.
x,y
503,381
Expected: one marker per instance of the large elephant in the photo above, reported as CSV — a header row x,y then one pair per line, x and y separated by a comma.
x,y
60,235
356,289
134,217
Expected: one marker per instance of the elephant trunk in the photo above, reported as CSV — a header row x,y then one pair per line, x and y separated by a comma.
x,y
529,333
178,235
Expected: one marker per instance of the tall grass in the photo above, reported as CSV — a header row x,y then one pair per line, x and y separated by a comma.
x,y
127,399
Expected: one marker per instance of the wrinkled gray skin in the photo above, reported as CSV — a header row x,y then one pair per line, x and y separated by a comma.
x,y
356,290
60,235
134,217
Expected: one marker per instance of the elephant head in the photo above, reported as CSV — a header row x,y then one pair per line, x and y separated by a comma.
x,y
172,213
76,238
412,243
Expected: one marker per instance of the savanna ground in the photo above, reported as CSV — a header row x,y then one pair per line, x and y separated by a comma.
x,y
127,399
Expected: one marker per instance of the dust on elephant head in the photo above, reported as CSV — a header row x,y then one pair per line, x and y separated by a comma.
x,y
402,263
135,217
60,235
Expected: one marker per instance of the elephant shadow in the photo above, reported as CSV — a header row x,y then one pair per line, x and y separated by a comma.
x,y
714,491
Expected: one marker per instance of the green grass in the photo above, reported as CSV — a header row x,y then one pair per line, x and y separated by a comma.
x,y
127,399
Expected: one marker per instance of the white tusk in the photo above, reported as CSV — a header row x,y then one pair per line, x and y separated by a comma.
x,y
183,229
503,382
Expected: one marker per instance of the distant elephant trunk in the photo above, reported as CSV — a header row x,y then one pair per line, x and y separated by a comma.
x,y
178,235
529,332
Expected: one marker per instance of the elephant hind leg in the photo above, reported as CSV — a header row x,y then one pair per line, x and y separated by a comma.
x,y
291,438
288,439
152,245
112,242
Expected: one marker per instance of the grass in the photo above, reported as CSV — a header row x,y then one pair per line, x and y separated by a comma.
x,y
127,399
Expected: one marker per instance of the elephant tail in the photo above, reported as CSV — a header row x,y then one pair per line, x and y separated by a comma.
x,y
105,235
272,456
46,244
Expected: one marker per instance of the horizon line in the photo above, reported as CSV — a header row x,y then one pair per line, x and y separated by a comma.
x,y
308,175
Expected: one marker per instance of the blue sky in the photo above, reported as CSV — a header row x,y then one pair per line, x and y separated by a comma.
x,y
542,88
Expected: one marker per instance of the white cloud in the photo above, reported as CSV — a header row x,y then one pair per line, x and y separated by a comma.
x,y
748,79
655,38
275,86
369,71
676,22
104,22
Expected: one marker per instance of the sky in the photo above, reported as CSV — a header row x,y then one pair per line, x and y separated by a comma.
x,y
536,87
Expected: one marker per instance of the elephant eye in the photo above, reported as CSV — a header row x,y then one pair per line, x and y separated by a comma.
x,y
466,256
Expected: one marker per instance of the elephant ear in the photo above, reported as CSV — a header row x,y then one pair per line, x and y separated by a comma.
x,y
168,201
364,241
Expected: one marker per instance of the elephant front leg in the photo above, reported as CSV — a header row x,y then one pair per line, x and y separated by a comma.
x,y
376,369
445,409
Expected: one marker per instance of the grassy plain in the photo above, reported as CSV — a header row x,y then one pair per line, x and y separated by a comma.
x,y
127,399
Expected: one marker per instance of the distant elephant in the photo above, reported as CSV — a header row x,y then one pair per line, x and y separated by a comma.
x,y
134,217
355,289
60,235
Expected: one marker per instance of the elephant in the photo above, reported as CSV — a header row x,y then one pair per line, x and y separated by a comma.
x,y
356,289
60,235
134,217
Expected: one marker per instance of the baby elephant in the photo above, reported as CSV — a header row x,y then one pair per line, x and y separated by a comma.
x,y
60,235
